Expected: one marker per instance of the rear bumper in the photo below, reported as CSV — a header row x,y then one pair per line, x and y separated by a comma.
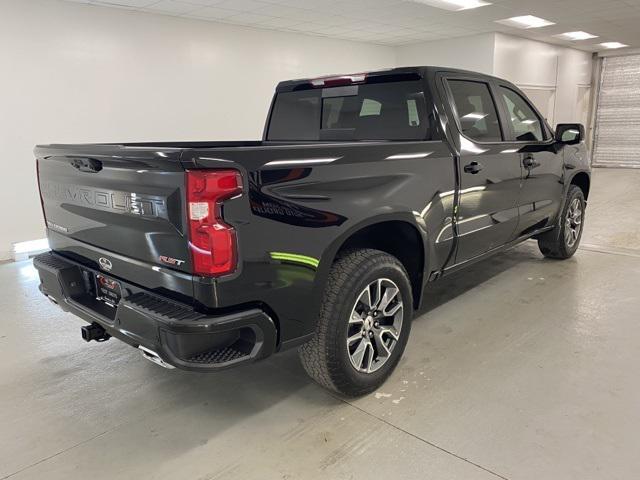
x,y
179,335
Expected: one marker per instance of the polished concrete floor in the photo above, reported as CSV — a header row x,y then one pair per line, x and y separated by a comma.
x,y
521,368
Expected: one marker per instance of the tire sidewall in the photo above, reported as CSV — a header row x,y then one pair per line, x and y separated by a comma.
x,y
347,374
572,194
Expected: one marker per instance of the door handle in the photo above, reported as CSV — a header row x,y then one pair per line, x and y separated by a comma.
x,y
529,162
473,168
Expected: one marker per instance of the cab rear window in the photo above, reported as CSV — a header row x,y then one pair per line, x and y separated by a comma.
x,y
386,111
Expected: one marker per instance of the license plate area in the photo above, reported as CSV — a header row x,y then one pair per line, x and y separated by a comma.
x,y
108,290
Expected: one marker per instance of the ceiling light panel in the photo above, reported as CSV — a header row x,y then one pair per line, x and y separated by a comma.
x,y
525,22
576,36
612,45
454,5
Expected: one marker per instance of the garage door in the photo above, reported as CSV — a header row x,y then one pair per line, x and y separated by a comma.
x,y
617,135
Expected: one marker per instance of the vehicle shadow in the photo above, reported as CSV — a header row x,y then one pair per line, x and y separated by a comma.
x,y
256,386
448,288
235,394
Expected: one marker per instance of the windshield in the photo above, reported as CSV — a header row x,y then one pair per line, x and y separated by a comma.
x,y
385,111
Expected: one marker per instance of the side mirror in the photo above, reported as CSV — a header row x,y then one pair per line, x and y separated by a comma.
x,y
570,133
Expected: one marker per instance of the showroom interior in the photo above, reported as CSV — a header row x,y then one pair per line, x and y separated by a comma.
x,y
517,367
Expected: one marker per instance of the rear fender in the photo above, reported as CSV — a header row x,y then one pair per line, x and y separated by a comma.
x,y
331,252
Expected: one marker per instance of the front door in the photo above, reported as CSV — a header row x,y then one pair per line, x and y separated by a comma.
x,y
542,163
489,177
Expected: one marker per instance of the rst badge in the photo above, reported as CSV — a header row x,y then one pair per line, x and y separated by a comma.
x,y
171,261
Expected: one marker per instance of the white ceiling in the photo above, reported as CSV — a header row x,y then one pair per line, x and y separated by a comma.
x,y
401,22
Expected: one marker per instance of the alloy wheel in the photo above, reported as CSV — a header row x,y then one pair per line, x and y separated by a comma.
x,y
374,325
573,223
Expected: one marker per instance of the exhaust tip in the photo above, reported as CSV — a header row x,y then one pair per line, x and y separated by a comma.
x,y
51,299
154,357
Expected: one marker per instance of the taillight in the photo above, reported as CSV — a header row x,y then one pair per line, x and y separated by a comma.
x,y
211,241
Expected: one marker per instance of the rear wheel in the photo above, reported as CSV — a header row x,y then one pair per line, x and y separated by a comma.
x,y
364,323
562,242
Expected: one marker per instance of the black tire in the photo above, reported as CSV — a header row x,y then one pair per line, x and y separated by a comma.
x,y
556,244
327,357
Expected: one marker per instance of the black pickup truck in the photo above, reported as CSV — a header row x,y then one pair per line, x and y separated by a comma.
x,y
322,236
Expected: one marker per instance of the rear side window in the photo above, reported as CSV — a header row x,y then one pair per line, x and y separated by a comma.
x,y
385,111
476,110
526,124
295,116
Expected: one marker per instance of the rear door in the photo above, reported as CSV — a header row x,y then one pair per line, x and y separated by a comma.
x,y
110,199
489,178
532,144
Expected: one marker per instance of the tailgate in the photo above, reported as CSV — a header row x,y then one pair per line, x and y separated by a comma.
x,y
126,201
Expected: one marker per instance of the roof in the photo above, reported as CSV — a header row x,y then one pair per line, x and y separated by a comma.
x,y
376,76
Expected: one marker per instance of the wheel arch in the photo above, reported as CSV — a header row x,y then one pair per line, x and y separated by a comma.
x,y
397,235
583,181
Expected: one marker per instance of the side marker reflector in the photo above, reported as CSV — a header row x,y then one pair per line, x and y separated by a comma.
x,y
295,258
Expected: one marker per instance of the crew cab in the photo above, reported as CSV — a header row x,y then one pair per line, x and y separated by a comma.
x,y
321,236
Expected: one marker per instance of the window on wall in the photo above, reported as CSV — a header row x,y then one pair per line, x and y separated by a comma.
x,y
526,124
476,110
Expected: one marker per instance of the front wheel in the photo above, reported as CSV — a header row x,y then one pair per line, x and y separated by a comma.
x,y
562,242
363,325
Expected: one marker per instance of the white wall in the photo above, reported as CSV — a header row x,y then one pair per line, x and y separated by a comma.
x,y
529,63
557,72
525,62
469,53
575,70
78,73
